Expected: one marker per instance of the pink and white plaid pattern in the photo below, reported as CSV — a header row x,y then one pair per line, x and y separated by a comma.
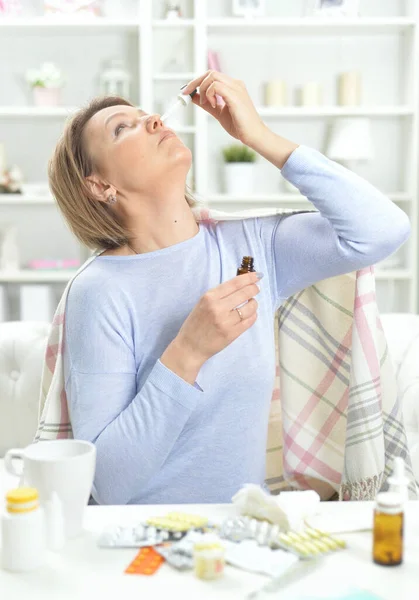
x,y
335,420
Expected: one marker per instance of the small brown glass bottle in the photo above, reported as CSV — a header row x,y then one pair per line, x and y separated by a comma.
x,y
246,266
388,529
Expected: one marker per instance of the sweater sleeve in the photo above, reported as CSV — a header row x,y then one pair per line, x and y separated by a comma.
x,y
133,425
355,226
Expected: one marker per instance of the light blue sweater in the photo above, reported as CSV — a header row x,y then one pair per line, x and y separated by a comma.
x,y
158,438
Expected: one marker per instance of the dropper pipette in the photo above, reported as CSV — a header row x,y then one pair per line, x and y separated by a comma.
x,y
181,100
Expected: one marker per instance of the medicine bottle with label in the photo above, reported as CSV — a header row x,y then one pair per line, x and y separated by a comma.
x,y
388,529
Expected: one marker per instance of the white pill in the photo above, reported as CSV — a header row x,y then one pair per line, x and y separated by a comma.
x,y
139,532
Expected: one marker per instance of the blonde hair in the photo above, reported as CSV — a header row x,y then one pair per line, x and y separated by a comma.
x,y
91,221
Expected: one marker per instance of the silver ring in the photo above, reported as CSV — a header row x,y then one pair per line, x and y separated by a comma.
x,y
239,312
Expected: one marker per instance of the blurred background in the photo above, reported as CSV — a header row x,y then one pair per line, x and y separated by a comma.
x,y
338,75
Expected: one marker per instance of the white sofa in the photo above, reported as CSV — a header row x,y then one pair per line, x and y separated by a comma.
x,y
22,349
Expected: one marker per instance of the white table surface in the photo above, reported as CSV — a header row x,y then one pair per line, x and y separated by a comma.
x,y
83,571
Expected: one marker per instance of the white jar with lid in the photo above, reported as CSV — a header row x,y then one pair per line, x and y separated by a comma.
x,y
23,531
209,557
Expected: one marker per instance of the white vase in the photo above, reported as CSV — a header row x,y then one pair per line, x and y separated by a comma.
x,y
239,178
46,96
9,250
275,93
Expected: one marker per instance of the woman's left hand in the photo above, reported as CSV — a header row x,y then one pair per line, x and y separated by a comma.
x,y
238,115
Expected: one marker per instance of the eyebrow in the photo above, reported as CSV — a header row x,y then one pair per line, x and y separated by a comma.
x,y
117,114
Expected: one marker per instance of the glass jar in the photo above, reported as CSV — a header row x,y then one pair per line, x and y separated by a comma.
x,y
388,529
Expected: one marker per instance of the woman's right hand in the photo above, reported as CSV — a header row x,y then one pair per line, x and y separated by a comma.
x,y
212,325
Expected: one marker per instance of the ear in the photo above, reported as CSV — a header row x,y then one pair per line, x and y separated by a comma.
x,y
99,188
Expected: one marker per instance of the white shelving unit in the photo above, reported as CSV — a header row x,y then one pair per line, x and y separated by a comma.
x,y
168,53
35,276
51,24
313,26
273,199
336,111
37,111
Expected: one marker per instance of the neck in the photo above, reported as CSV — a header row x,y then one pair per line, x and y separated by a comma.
x,y
159,222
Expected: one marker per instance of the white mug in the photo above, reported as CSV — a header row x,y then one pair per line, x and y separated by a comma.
x,y
66,467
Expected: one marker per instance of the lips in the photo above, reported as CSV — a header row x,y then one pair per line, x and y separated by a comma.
x,y
166,135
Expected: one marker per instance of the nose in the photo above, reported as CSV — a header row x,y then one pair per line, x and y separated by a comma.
x,y
154,123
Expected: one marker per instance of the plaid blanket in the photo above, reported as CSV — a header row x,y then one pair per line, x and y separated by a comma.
x,y
336,421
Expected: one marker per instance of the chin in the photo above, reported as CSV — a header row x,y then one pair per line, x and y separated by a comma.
x,y
183,155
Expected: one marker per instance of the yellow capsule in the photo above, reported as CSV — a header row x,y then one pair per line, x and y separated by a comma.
x,y
283,537
301,549
319,543
337,541
286,541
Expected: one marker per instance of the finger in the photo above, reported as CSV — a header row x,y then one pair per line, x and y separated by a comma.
x,y
228,94
211,78
207,106
192,85
241,296
246,311
235,284
210,96
244,325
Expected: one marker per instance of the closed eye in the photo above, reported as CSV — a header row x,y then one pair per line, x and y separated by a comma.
x,y
119,128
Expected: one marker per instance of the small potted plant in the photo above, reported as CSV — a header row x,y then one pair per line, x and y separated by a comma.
x,y
46,83
239,169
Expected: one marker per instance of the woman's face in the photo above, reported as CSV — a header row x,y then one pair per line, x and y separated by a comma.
x,y
134,151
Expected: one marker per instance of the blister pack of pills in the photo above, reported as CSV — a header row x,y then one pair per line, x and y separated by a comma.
x,y
131,537
307,544
180,554
178,522
169,528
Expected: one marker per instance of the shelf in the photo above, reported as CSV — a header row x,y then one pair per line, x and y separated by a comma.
x,y
36,111
63,276
173,23
400,197
269,199
307,25
174,77
52,24
34,276
298,25
266,199
24,200
273,199
51,113
335,111
264,111
392,273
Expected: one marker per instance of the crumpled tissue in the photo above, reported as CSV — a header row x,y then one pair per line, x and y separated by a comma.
x,y
288,509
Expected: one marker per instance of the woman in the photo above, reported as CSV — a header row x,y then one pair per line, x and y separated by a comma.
x,y
169,358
